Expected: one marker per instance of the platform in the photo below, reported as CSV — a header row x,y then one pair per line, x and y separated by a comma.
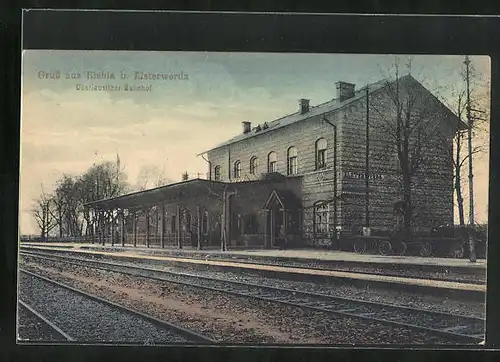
x,y
291,254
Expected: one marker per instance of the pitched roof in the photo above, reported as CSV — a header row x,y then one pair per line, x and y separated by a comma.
x,y
326,107
286,199
287,120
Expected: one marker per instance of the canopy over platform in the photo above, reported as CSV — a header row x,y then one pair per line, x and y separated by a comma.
x,y
185,190
151,197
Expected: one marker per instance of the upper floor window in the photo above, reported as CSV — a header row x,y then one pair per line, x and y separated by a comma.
x,y
253,165
292,161
271,162
237,169
217,173
320,153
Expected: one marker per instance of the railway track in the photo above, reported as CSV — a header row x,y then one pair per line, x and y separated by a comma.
x,y
78,316
455,328
451,289
413,272
35,326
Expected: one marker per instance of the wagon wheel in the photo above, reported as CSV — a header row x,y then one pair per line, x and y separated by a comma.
x,y
456,251
400,248
359,246
384,247
425,249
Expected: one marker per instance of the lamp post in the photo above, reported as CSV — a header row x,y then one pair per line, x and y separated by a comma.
x,y
472,236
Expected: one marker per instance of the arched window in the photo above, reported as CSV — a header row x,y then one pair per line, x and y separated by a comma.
x,y
291,161
237,169
217,173
320,154
321,217
253,165
271,162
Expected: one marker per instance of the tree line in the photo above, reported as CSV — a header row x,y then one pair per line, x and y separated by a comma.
x,y
61,212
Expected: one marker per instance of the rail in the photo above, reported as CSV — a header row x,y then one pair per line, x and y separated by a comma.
x,y
184,332
456,328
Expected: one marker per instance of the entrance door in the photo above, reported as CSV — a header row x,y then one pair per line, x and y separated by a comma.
x,y
275,225
283,217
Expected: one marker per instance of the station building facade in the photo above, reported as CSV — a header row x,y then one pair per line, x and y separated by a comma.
x,y
309,176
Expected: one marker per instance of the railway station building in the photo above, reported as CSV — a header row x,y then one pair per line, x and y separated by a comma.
x,y
304,179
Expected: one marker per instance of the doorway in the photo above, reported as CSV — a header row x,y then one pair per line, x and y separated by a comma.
x,y
274,226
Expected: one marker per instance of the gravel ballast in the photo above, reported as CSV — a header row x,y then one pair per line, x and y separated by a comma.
x,y
231,319
30,328
379,295
88,320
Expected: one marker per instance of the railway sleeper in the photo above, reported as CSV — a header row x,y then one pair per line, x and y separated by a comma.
x,y
456,328
345,310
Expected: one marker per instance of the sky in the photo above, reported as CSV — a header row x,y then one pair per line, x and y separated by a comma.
x,y
66,128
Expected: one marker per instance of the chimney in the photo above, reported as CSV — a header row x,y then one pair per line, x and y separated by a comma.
x,y
246,126
185,176
345,90
303,106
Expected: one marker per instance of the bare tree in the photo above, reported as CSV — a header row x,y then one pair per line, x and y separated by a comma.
x,y
101,181
151,176
43,214
459,155
65,206
410,120
65,209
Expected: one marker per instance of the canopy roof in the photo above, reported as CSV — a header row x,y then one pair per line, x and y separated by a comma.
x,y
158,195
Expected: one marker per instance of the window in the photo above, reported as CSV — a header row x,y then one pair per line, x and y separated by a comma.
x,y
217,173
292,161
204,223
236,229
186,221
320,153
293,220
253,165
173,224
271,162
321,215
250,225
237,169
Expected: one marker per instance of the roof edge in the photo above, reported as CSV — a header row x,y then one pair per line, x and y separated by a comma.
x,y
150,190
344,104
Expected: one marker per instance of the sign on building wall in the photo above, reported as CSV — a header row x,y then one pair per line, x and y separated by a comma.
x,y
360,175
